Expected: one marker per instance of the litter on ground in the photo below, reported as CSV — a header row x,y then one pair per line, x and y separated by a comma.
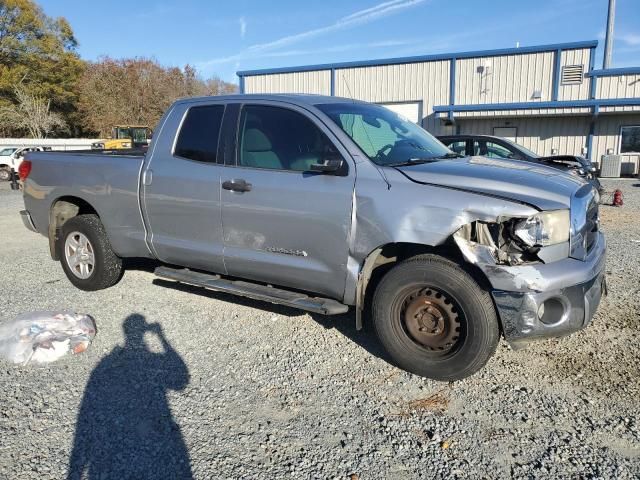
x,y
43,337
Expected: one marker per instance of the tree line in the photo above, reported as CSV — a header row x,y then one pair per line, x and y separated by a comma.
x,y
47,90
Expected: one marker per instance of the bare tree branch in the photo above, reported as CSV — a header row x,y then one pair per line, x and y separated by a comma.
x,y
31,114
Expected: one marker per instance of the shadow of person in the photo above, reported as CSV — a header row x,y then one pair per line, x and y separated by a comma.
x,y
125,428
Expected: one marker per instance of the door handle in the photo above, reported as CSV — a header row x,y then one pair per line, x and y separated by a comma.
x,y
236,185
147,177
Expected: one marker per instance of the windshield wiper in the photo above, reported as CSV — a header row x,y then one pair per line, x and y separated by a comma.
x,y
450,155
411,161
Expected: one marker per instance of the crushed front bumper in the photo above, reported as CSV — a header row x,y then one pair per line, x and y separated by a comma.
x,y
548,300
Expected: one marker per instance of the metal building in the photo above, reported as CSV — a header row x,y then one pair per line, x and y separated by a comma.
x,y
548,98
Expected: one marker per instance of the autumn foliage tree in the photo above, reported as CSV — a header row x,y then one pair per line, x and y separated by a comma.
x,y
38,57
137,91
42,74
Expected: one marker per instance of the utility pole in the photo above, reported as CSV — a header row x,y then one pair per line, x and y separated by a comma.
x,y
608,41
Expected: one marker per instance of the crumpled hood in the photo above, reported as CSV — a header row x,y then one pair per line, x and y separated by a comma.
x,y
546,188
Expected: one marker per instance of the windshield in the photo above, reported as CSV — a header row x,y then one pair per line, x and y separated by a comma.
x,y
139,135
384,136
7,151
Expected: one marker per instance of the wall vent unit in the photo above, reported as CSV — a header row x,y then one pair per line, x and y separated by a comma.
x,y
572,74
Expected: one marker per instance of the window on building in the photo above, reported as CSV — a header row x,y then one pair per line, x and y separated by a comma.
x,y
630,139
281,139
198,138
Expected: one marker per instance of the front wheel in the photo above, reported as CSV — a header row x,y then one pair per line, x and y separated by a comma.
x,y
86,255
434,319
5,174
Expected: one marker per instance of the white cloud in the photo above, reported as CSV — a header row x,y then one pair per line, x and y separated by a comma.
x,y
357,18
373,9
300,52
360,17
339,48
243,27
631,39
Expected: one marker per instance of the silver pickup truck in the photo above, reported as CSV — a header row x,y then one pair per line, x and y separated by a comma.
x,y
323,203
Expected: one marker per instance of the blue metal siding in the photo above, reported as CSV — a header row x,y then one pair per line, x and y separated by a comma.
x,y
536,105
556,75
610,72
452,81
593,79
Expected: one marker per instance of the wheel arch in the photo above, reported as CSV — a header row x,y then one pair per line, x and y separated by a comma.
x,y
384,257
61,210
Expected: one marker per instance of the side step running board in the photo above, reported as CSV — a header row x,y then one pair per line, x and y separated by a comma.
x,y
325,306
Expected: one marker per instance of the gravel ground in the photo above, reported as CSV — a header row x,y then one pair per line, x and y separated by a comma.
x,y
180,381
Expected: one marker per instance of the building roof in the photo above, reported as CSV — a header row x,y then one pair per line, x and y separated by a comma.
x,y
426,58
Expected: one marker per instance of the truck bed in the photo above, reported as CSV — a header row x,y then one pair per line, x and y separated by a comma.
x,y
106,180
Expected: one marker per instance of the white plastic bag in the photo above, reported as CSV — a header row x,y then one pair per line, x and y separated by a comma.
x,y
43,337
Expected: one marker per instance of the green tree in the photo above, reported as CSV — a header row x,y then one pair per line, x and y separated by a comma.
x,y
38,56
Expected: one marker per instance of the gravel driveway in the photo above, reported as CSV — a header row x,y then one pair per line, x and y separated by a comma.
x,y
181,381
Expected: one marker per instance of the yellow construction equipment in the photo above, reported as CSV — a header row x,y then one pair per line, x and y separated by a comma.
x,y
124,137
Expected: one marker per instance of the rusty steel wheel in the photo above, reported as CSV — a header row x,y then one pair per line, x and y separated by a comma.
x,y
434,319
431,319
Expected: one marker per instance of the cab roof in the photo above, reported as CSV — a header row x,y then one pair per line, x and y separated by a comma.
x,y
294,98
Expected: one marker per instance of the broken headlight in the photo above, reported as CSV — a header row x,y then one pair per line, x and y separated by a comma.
x,y
542,229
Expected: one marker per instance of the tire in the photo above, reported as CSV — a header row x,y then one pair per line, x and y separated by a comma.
x,y
434,319
5,174
106,269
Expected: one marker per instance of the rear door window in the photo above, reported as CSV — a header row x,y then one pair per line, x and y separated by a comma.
x,y
498,151
458,146
491,149
198,137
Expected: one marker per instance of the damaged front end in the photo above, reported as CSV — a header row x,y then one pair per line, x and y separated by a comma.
x,y
538,289
543,237
493,244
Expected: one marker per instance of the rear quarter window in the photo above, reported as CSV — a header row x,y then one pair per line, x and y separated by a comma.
x,y
199,133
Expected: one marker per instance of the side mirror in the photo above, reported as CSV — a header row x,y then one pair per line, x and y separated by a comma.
x,y
328,166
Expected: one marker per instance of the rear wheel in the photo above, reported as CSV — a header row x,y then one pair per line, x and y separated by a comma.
x,y
434,319
86,255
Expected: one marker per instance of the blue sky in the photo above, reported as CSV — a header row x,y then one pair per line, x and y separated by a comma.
x,y
221,37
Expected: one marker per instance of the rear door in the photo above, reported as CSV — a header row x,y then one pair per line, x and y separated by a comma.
x,y
181,189
282,223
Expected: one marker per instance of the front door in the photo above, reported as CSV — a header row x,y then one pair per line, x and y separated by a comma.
x,y
181,190
282,223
